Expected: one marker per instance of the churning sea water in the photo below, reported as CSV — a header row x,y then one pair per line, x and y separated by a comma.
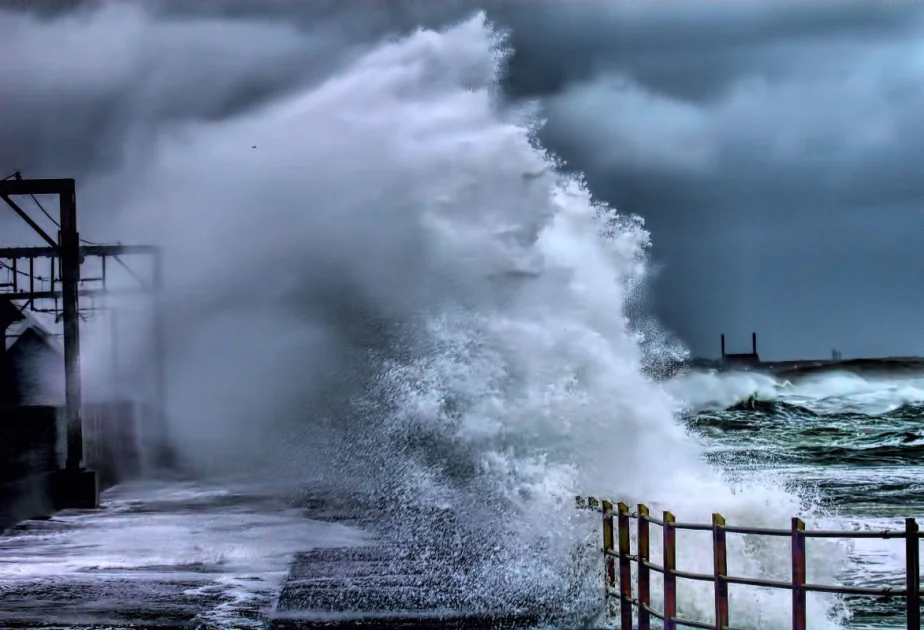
x,y
850,444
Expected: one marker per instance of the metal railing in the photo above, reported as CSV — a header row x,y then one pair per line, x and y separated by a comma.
x,y
618,555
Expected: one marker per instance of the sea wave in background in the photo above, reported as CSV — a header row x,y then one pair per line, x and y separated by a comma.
x,y
853,441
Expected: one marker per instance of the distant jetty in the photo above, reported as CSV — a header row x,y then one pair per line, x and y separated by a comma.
x,y
751,361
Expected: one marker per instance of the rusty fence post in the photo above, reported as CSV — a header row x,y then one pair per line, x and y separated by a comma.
x,y
798,574
608,548
644,573
912,574
720,570
625,568
670,566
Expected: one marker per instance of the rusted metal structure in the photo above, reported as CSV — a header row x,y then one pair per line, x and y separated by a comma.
x,y
66,254
618,554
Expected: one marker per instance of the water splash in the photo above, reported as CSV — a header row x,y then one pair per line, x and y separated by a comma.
x,y
385,284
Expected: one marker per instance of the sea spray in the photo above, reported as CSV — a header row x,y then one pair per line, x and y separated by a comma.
x,y
385,285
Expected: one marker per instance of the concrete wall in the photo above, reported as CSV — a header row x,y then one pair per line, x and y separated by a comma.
x,y
112,446
29,438
33,447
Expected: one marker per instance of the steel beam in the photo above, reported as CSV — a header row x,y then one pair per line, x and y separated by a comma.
x,y
51,295
11,187
8,253
69,240
25,217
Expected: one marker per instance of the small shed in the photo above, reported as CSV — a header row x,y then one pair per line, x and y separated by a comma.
x,y
31,358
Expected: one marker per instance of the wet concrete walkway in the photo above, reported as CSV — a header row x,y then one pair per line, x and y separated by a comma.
x,y
189,555
171,554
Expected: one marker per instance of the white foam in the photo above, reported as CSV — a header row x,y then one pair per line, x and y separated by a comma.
x,y
832,391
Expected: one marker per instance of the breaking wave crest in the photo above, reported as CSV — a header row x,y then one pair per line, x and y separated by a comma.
x,y
385,285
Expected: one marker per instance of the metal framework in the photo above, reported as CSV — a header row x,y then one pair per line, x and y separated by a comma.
x,y
68,252
617,553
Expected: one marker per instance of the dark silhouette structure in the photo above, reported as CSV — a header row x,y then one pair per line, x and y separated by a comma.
x,y
74,485
742,360
27,345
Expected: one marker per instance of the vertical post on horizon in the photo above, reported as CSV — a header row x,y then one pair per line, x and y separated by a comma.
x,y
608,548
644,573
720,570
754,343
912,574
670,568
625,568
798,574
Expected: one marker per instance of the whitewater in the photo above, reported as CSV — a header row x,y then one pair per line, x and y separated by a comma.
x,y
383,284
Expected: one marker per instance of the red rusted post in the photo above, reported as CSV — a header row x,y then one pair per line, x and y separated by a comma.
x,y
625,568
670,566
644,573
798,574
608,548
912,575
720,570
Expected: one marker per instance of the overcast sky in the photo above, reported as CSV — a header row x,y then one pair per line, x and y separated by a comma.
x,y
776,151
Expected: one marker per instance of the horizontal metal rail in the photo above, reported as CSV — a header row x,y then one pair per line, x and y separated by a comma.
x,y
618,554
13,253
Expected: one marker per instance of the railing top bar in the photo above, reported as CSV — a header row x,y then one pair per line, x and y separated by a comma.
x,y
757,531
821,533
695,527
654,612
856,590
614,553
746,581
652,519
594,504
689,575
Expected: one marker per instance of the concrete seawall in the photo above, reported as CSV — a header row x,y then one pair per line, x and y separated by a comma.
x,y
33,449
800,367
29,438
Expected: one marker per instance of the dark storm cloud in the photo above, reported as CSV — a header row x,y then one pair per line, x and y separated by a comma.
x,y
685,49
77,87
78,78
773,149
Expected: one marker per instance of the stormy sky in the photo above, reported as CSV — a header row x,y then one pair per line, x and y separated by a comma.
x,y
775,150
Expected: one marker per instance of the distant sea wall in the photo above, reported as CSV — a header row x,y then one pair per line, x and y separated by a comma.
x,y
800,367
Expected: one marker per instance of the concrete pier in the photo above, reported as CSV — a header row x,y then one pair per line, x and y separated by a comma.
x,y
185,554
380,588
